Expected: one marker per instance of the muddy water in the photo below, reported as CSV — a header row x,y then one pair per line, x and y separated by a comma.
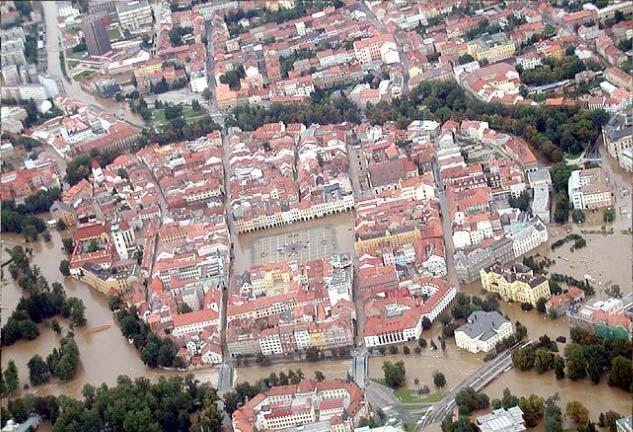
x,y
457,365
331,369
343,231
105,354
597,398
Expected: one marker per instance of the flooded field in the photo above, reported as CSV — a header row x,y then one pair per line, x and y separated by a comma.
x,y
336,231
105,354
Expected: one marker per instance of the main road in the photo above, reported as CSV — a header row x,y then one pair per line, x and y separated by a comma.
x,y
477,381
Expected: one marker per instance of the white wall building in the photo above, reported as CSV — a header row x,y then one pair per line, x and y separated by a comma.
x,y
482,331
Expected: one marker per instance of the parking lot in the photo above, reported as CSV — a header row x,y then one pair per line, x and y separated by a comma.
x,y
302,244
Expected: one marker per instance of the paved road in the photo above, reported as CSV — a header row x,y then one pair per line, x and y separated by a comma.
x,y
477,381
447,229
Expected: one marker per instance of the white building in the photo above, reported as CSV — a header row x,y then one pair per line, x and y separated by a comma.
x,y
589,189
135,16
482,331
123,238
532,236
198,81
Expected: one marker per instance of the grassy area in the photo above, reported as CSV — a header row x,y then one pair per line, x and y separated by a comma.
x,y
84,74
75,55
72,63
406,395
190,116
114,33
72,30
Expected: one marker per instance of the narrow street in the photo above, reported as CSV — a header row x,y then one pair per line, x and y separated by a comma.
x,y
447,229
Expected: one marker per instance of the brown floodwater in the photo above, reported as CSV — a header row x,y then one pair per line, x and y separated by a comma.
x,y
105,354
597,398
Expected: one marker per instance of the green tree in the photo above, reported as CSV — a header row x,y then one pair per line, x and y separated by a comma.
x,y
318,375
578,216
523,358
608,215
75,310
468,400
543,360
395,374
64,267
540,304
533,409
11,379
621,374
439,379
38,370
575,362
553,416
231,402
577,412
610,419
559,367
69,245
184,308
509,400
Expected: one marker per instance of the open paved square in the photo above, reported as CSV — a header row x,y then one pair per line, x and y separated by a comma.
x,y
302,245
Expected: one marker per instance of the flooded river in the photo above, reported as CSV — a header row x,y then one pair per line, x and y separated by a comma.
x,y
105,354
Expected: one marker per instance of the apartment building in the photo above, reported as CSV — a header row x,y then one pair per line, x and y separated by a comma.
x,y
515,282
589,189
494,48
135,16
482,331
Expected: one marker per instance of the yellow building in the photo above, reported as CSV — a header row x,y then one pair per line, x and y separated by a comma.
x,y
106,282
493,48
394,240
517,283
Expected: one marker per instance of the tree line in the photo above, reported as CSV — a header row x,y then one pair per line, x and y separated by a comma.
x,y
332,110
549,130
171,404
588,356
19,218
79,167
155,351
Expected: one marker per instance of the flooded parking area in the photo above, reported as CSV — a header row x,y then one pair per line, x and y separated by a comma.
x,y
301,241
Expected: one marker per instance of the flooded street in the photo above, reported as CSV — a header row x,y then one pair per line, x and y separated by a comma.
x,y
105,354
